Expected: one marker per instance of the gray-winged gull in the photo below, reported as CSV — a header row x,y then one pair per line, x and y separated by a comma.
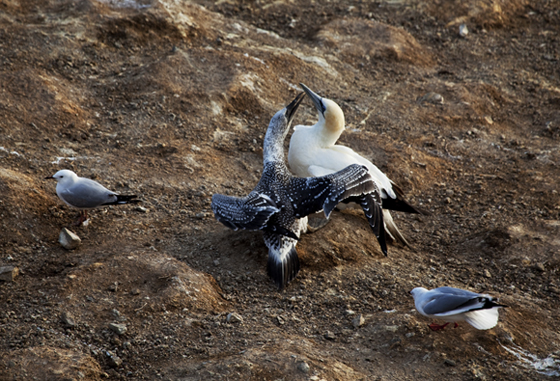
x,y
454,304
84,194
280,202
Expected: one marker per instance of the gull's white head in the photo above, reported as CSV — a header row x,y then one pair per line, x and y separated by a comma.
x,y
64,176
331,117
418,291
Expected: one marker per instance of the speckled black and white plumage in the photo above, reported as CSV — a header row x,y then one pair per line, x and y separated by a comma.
x,y
280,203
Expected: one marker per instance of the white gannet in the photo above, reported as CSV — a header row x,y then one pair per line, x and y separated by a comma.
x,y
84,194
280,203
313,152
454,304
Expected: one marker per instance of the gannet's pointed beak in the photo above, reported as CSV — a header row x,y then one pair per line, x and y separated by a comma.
x,y
317,100
293,106
49,177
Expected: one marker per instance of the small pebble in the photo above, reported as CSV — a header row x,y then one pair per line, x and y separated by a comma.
x,y
234,317
119,329
449,362
68,319
303,367
68,239
431,97
8,273
539,266
463,30
358,321
114,360
330,335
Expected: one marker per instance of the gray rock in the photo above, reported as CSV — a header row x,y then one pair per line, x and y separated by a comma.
x,y
68,319
119,329
141,209
463,30
358,321
8,273
449,362
114,360
68,239
330,335
539,266
431,97
234,317
303,367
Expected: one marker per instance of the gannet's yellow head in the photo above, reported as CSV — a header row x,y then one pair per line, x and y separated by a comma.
x,y
334,117
331,117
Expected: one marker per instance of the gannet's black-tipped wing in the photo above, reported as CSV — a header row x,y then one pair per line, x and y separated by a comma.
x,y
312,194
251,212
283,261
374,214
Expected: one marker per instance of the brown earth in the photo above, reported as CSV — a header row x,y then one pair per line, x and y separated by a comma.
x,y
170,100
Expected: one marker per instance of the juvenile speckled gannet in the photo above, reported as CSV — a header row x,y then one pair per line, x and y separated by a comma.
x,y
454,304
313,152
84,194
280,203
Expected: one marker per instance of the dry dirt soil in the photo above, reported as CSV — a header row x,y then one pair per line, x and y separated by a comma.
x,y
170,100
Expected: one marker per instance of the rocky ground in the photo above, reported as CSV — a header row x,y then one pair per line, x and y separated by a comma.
x,y
170,100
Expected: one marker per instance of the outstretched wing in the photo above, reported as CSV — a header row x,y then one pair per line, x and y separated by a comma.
x,y
250,213
312,194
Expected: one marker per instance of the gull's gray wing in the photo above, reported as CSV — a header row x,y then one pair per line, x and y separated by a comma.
x,y
451,301
456,291
86,194
251,212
